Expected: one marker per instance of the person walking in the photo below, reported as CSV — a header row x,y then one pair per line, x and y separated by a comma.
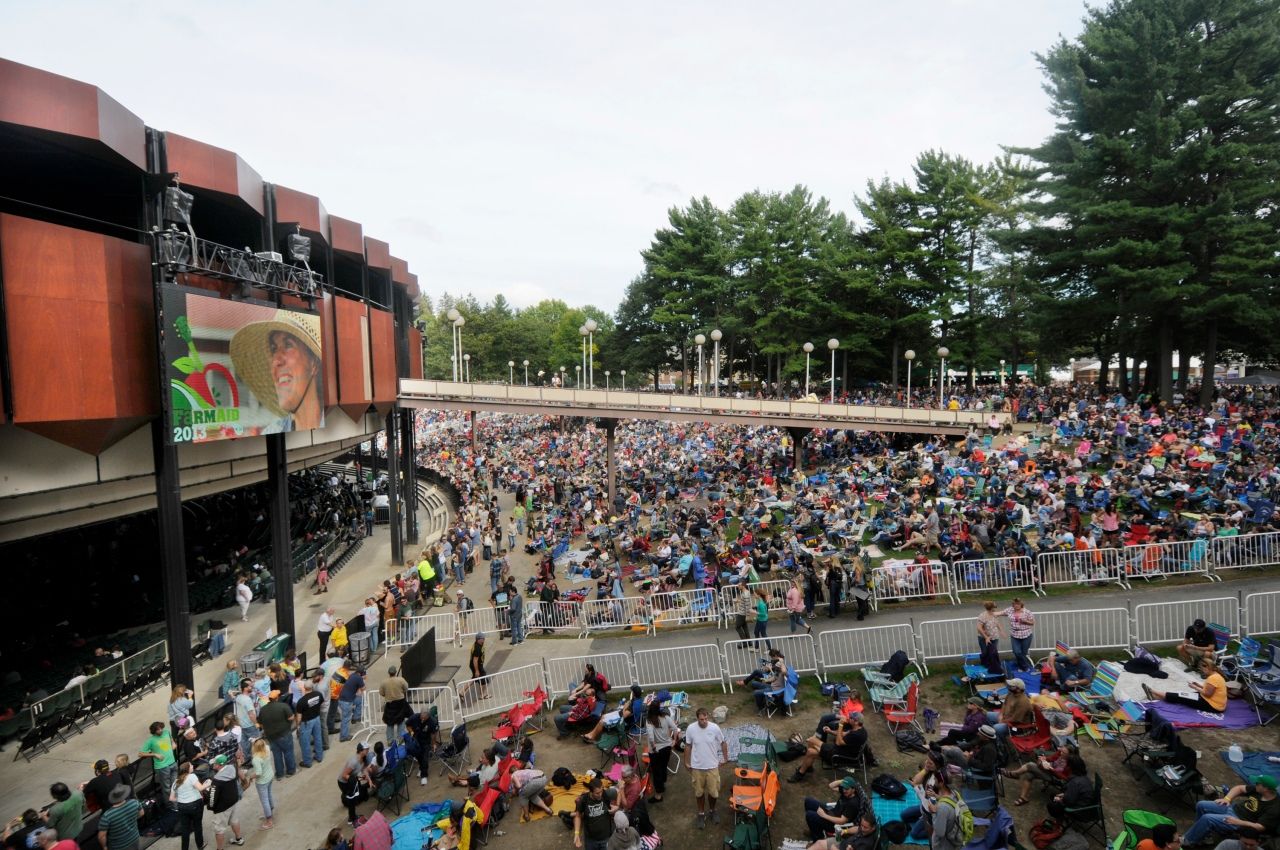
x,y
264,776
741,608
661,735
1021,629
188,798
479,676
277,721
394,691
349,698
224,801
762,619
243,597
324,628
515,612
118,826
708,751
310,727
159,748
795,607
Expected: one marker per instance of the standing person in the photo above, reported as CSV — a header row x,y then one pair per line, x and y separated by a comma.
x,y
324,628
243,597
708,750
224,800
181,704
480,678
310,727
394,691
66,814
1021,628
592,823
371,614
118,826
322,575
188,797
515,612
661,734
988,628
277,721
835,583
741,607
246,710
230,682
795,607
159,748
762,619
264,775
349,698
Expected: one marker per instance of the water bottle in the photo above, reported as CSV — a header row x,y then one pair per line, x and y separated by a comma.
x,y
1234,754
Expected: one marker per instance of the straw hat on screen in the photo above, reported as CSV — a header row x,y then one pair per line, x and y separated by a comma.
x,y
252,355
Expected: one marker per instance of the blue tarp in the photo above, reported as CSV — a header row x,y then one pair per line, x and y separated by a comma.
x,y
412,831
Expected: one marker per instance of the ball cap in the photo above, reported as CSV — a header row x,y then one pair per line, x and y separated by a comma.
x,y
848,782
1264,781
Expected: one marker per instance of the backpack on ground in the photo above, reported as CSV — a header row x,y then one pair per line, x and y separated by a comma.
x,y
910,741
1046,832
962,830
889,786
563,778
895,832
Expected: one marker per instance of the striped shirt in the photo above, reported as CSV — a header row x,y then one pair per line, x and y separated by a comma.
x,y
120,823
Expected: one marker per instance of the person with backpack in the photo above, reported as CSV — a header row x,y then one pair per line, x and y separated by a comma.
x,y
952,820
224,801
823,818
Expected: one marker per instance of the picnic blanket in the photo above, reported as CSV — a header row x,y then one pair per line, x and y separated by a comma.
x,y
1129,685
1254,764
733,735
411,831
1239,715
563,799
887,810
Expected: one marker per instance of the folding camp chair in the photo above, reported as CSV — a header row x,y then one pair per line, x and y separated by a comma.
x,y
898,692
1099,698
900,713
1264,694
1088,819
1138,825
1036,741
783,698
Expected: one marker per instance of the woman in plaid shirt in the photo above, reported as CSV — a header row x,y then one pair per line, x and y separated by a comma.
x,y
1022,624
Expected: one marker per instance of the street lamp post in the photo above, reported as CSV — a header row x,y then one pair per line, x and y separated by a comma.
x,y
911,356
591,352
563,379
457,324
453,315
606,380
1002,373
943,354
808,349
578,379
716,336
623,373
526,373
511,372
1071,364
466,364
833,344
583,371
701,341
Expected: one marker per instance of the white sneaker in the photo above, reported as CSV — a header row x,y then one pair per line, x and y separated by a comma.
x,y
422,781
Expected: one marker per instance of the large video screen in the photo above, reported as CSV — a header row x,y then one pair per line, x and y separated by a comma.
x,y
240,370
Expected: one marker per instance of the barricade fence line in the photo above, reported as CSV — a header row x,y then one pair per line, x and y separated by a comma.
x,y
1166,622
682,665
404,632
685,607
1091,628
1246,550
1262,613
621,612
988,575
553,616
498,691
863,646
775,590
937,640
910,581
1081,566
482,621
564,673
741,657
442,697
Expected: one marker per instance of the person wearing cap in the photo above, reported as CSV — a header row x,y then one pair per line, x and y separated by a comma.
x,y
1074,672
823,818
1016,711
277,722
224,800
310,724
1248,806
980,757
625,836
280,360
97,789
118,826
1198,642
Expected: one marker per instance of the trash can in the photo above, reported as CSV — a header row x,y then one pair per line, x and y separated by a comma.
x,y
358,646
274,647
252,662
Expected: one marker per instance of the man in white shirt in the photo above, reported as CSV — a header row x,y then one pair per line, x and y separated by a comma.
x,y
243,597
324,628
708,750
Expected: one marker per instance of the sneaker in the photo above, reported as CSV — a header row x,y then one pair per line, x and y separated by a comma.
x,y
715,816
237,841
1146,689
423,781
700,821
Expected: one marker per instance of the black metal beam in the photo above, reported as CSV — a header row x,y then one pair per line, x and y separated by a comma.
x,y
281,539
393,487
410,476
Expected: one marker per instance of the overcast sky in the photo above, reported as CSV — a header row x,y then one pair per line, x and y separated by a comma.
x,y
532,149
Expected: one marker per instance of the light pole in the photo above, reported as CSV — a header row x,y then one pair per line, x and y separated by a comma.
x,y
606,380
457,324
833,344
511,372
526,373
623,373
1071,364
466,364
583,369
701,341
1002,373
578,378
716,336
943,354
911,356
591,352
563,385
453,315
808,349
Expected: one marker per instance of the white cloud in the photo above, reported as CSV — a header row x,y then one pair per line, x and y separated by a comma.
x,y
532,149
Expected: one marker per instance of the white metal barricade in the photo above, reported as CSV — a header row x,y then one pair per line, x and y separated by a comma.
x,y
486,621
941,639
685,607
1248,550
564,673
405,631
859,647
910,581
1173,558
1081,566
775,592
1167,622
370,722
741,657
498,691
553,617
1091,628
988,575
678,665
442,698
1262,613
624,612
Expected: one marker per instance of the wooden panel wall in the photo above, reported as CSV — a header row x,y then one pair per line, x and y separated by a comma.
x,y
80,323
382,346
415,354
214,169
329,343
355,380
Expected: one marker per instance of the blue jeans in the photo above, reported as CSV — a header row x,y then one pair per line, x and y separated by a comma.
x,y
311,741
797,621
345,710
911,816
1022,653
267,798
395,732
373,637
165,777
511,541
1210,816
247,736
762,631
459,572
282,752
1002,729
517,627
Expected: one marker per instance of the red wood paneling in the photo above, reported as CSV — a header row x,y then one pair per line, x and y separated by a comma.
x,y
306,210
399,272
415,353
33,98
215,169
377,253
355,377
346,236
414,292
328,344
80,324
382,345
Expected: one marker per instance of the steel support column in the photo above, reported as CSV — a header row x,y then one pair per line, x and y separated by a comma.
x,y
408,463
281,539
797,446
611,463
474,441
393,486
